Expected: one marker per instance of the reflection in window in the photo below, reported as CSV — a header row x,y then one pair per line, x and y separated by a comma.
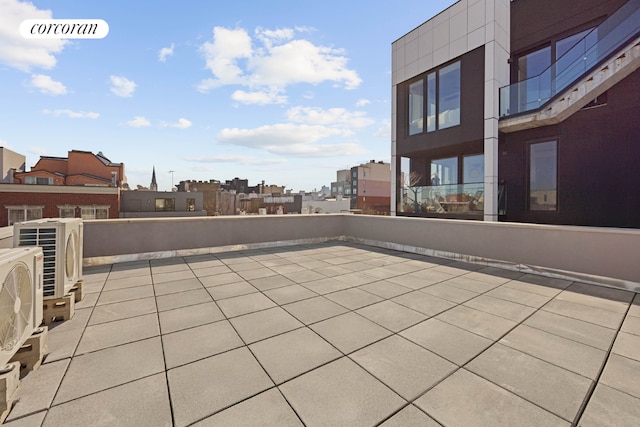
x,y
473,169
543,176
431,102
449,96
444,171
191,204
416,105
165,205
532,65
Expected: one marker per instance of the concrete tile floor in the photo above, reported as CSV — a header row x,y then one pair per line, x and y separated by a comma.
x,y
336,334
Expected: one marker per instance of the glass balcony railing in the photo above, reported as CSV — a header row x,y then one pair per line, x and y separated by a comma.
x,y
441,199
595,46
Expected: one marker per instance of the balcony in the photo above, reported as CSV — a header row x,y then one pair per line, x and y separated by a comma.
x,y
345,320
598,61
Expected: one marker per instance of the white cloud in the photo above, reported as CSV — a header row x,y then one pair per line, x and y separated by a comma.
x,y
243,160
164,52
329,117
181,124
362,102
234,60
294,140
122,86
72,114
47,85
138,122
259,97
19,52
384,131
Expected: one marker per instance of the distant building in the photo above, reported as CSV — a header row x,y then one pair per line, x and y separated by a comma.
x,y
154,184
10,163
209,190
79,168
371,188
342,185
149,204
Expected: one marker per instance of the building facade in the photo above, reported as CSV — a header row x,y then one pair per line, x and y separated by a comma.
x,y
149,204
520,110
10,163
371,187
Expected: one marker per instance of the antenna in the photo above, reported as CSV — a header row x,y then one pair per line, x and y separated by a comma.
x,y
171,172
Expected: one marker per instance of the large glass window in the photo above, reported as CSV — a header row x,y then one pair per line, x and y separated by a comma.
x,y
473,169
38,180
532,65
165,204
67,211
416,106
449,96
94,212
543,176
444,171
24,213
191,204
431,102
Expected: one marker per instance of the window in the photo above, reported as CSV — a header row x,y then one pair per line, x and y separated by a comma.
x,y
67,211
165,205
444,171
94,212
38,180
449,96
416,105
442,100
24,213
191,204
543,176
473,169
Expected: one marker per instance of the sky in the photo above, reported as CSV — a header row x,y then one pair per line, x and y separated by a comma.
x,y
284,91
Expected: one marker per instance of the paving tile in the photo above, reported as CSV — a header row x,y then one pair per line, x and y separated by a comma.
x,y
494,275
137,268
353,298
424,303
244,304
289,294
627,345
167,288
119,406
264,324
266,409
450,293
196,343
499,307
326,285
514,295
304,276
597,296
38,391
631,325
127,282
220,279
314,309
611,408
350,331
271,282
34,420
287,268
419,279
405,367
231,290
118,332
567,354
340,393
97,371
555,389
410,417
62,345
391,315
173,276
204,387
587,313
293,353
78,321
88,301
634,310
176,266
109,297
355,278
573,329
213,270
332,270
478,322
448,341
208,261
467,283
188,317
256,273
183,299
486,404
622,374
532,288
385,289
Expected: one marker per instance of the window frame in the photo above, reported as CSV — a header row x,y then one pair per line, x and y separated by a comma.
x,y
25,212
165,207
94,209
529,165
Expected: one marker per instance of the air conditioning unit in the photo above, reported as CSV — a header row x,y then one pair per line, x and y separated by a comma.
x,y
61,243
21,272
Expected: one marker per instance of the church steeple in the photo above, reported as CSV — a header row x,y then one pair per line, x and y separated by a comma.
x,y
154,184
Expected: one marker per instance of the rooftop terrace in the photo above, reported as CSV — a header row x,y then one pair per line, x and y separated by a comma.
x,y
336,333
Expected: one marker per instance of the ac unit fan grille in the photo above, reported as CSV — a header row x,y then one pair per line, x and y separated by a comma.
x,y
15,306
46,239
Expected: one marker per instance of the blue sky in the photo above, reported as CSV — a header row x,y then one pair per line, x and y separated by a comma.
x,y
282,91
